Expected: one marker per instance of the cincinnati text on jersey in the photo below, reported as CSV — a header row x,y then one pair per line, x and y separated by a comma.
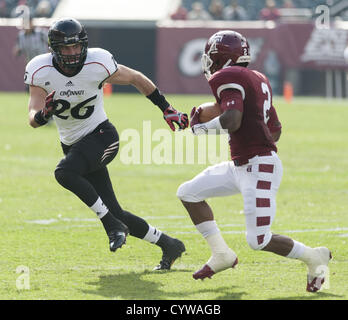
x,y
69,93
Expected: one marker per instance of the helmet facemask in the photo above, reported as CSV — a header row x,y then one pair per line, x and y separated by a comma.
x,y
223,51
68,32
206,65
207,61
71,61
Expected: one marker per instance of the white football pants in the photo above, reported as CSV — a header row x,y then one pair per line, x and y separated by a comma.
x,y
258,182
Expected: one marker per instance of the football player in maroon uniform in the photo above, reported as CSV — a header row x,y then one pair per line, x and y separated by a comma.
x,y
248,116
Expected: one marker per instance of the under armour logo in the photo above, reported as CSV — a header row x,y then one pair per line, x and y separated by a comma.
x,y
230,103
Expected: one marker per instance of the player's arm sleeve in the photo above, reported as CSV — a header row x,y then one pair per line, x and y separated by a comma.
x,y
228,83
231,99
34,74
110,66
231,104
228,89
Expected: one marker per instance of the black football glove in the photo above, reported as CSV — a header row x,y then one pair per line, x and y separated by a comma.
x,y
173,116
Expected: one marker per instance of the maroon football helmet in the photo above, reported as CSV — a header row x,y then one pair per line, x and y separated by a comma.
x,y
225,48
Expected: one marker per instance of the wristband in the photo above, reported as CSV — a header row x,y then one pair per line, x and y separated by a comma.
x,y
213,125
158,99
39,118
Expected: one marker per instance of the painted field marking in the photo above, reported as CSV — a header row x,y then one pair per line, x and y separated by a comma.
x,y
51,221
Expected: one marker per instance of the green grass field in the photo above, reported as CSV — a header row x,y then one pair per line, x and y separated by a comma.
x,y
63,246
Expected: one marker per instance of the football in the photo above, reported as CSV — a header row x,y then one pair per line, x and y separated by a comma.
x,y
210,110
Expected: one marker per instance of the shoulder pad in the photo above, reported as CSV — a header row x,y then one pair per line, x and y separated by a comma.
x,y
37,69
103,58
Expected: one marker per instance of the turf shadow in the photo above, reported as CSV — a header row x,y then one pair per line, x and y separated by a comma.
x,y
133,286
314,296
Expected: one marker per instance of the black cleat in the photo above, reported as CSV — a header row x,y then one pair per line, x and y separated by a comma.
x,y
171,252
117,237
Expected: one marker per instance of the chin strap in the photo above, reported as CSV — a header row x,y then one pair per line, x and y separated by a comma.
x,y
227,64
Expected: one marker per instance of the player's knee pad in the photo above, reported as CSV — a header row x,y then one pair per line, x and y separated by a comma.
x,y
60,175
258,242
185,192
63,177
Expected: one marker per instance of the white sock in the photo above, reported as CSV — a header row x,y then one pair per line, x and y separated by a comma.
x,y
152,234
217,243
99,208
297,251
207,228
211,233
307,255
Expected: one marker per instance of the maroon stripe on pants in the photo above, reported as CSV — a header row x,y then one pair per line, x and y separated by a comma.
x,y
263,221
266,168
263,202
260,238
265,185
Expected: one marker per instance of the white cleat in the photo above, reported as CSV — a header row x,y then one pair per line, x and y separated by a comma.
x,y
318,268
217,263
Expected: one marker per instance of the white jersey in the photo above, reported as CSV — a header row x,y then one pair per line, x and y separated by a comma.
x,y
80,98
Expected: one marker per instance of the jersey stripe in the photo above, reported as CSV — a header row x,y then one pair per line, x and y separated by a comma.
x,y
101,65
32,77
231,86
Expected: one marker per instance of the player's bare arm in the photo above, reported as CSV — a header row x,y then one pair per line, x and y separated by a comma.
x,y
274,124
127,76
231,120
36,103
276,135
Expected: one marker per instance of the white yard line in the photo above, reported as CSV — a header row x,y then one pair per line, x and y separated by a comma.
x,y
283,231
51,221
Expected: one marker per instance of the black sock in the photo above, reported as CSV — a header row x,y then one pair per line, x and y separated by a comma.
x,y
164,240
110,223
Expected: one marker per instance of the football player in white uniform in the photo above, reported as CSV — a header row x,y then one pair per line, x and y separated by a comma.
x,y
67,84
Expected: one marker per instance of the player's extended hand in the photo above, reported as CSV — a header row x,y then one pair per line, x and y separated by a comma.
x,y
194,116
173,116
50,106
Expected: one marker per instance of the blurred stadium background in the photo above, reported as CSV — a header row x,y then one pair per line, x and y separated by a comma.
x,y
298,44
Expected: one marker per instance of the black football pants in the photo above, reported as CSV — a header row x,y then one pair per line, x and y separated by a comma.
x,y
83,171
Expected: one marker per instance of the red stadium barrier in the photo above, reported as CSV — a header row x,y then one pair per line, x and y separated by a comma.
x,y
283,46
11,67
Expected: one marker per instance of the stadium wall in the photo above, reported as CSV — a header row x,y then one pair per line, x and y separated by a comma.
x,y
11,67
133,47
169,53
284,52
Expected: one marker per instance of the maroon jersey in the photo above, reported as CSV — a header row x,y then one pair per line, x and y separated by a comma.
x,y
259,116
